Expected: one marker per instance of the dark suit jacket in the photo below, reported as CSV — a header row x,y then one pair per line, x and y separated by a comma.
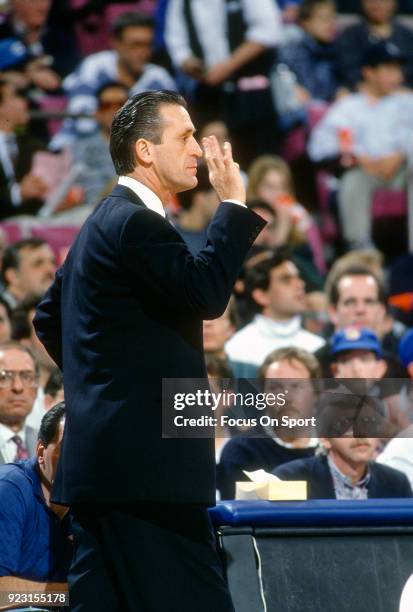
x,y
27,147
124,312
384,482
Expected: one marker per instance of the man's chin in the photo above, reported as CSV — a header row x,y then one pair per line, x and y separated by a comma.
x,y
190,184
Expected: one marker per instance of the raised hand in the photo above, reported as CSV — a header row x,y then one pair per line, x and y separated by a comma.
x,y
224,173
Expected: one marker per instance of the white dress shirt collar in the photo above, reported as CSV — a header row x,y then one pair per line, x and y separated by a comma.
x,y
8,448
148,197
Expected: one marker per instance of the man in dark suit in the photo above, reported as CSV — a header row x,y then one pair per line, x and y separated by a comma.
x,y
125,311
21,191
346,472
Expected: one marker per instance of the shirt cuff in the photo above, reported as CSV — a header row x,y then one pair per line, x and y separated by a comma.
x,y
237,202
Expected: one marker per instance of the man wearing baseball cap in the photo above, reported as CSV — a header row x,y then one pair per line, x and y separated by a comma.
x,y
357,354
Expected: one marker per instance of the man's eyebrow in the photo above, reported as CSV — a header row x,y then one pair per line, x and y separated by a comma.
x,y
188,131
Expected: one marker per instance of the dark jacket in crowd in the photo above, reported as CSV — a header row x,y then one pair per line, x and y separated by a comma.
x,y
251,453
384,481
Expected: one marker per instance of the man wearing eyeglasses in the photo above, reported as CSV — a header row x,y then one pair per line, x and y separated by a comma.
x,y
19,380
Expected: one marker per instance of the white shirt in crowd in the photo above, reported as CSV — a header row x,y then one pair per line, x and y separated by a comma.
x,y
263,335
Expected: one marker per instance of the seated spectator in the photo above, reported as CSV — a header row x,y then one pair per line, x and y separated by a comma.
x,y
19,380
266,448
92,151
312,58
28,269
127,63
53,389
277,291
357,299
23,332
346,471
21,191
270,180
379,23
34,532
370,134
356,353
198,208
27,22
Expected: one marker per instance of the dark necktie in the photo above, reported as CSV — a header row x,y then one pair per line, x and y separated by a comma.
x,y
21,450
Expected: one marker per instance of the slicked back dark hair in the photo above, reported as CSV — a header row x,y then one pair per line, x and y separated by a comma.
x,y
138,118
50,423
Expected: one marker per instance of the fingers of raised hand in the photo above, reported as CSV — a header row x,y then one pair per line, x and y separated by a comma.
x,y
213,153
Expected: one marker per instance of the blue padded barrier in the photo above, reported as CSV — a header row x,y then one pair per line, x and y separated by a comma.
x,y
314,513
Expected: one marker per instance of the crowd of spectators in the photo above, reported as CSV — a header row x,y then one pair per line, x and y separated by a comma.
x,y
318,107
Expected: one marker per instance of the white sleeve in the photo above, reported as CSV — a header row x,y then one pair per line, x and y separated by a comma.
x,y
263,19
176,34
324,141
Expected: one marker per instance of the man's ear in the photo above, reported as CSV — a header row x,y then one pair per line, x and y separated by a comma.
x,y
260,296
326,443
144,152
40,452
381,368
10,276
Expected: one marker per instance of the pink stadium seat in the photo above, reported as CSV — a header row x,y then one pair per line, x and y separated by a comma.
x,y
12,230
389,203
51,104
60,238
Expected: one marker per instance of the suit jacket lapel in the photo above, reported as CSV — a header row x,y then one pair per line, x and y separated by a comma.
x,y
321,481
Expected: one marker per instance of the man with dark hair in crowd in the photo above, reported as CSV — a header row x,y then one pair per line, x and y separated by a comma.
x,y
35,548
21,191
266,448
151,316
357,299
379,23
127,63
198,208
277,290
28,269
19,380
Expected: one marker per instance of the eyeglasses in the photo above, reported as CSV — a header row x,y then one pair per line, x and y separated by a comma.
x,y
27,377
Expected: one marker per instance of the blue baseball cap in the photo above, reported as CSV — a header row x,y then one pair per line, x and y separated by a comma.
x,y
12,53
406,348
352,339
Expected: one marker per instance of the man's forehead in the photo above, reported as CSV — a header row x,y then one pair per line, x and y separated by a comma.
x,y
15,356
176,116
286,267
357,282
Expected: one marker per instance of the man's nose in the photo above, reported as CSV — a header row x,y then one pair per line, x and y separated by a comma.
x,y
197,151
17,384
